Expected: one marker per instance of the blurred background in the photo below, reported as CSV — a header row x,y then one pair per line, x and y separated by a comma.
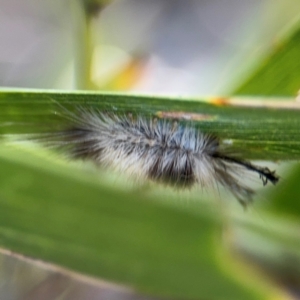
x,y
166,47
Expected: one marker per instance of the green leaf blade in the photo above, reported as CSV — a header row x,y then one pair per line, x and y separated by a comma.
x,y
106,233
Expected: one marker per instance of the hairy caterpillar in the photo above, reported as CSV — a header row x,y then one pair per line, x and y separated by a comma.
x,y
157,149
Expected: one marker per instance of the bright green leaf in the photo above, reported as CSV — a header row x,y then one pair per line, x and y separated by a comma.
x,y
279,73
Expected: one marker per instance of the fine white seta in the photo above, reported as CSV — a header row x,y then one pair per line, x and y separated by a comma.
x,y
160,150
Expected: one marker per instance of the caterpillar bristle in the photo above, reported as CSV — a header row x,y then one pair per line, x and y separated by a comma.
x,y
159,150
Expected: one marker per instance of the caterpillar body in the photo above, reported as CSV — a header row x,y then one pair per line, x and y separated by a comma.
x,y
158,149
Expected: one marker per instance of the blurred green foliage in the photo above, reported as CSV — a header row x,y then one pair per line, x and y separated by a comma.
x,y
278,74
62,214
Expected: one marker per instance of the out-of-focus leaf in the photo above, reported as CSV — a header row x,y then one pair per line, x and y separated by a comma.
x,y
286,200
271,244
279,72
51,213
